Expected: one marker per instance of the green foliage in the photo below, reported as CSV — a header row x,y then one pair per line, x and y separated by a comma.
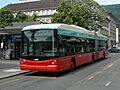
x,y
21,17
6,17
84,13
63,15
31,18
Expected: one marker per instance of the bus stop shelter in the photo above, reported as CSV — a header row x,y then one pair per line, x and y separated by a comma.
x,y
10,42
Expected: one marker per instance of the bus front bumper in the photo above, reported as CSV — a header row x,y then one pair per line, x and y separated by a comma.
x,y
49,68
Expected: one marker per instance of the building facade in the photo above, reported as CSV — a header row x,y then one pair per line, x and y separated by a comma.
x,y
109,29
44,9
115,10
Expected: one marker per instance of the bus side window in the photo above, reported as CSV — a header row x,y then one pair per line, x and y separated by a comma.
x,y
82,50
79,49
68,49
62,51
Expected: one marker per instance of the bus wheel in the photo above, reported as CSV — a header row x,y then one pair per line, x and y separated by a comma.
x,y
104,55
72,66
93,58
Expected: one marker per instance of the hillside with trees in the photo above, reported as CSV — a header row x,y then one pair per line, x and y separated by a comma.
x,y
115,10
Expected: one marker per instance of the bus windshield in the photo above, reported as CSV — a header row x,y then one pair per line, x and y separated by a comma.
x,y
40,42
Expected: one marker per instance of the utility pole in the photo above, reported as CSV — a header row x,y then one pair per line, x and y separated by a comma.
x,y
109,38
95,28
96,45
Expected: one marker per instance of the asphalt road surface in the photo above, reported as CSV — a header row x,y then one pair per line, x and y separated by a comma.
x,y
101,75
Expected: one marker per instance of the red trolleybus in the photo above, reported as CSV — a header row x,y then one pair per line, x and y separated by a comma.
x,y
59,47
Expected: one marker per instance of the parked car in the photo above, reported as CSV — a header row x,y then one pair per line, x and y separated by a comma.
x,y
114,50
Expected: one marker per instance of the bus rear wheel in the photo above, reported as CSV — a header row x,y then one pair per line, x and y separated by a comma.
x,y
104,56
93,58
72,66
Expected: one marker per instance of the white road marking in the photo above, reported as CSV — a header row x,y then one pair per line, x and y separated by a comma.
x,y
91,77
108,83
107,66
11,70
98,72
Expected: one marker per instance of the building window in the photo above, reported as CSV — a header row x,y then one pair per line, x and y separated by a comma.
x,y
24,12
53,11
48,12
43,20
44,12
37,13
48,20
28,13
31,13
40,13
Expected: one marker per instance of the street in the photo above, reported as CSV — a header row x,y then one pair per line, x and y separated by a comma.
x,y
101,75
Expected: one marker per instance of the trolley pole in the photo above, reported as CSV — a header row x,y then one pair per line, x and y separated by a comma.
x,y
96,45
96,42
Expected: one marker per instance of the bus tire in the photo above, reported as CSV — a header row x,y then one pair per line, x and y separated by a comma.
x,y
93,58
104,56
72,65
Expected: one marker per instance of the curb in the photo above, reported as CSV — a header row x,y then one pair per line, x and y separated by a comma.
x,y
13,74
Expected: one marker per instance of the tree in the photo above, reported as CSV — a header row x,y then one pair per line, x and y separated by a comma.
x,y
21,17
31,18
6,17
84,13
96,14
63,15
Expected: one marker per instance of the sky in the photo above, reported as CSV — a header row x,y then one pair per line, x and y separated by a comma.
x,y
108,2
6,2
101,2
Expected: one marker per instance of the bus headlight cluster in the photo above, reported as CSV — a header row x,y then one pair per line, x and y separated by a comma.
x,y
23,61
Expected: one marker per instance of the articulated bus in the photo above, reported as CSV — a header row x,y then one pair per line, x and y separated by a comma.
x,y
59,47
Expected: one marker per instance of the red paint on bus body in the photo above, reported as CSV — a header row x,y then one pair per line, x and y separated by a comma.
x,y
83,58
45,65
58,64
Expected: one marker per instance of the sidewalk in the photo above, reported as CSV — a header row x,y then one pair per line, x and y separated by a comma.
x,y
10,68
